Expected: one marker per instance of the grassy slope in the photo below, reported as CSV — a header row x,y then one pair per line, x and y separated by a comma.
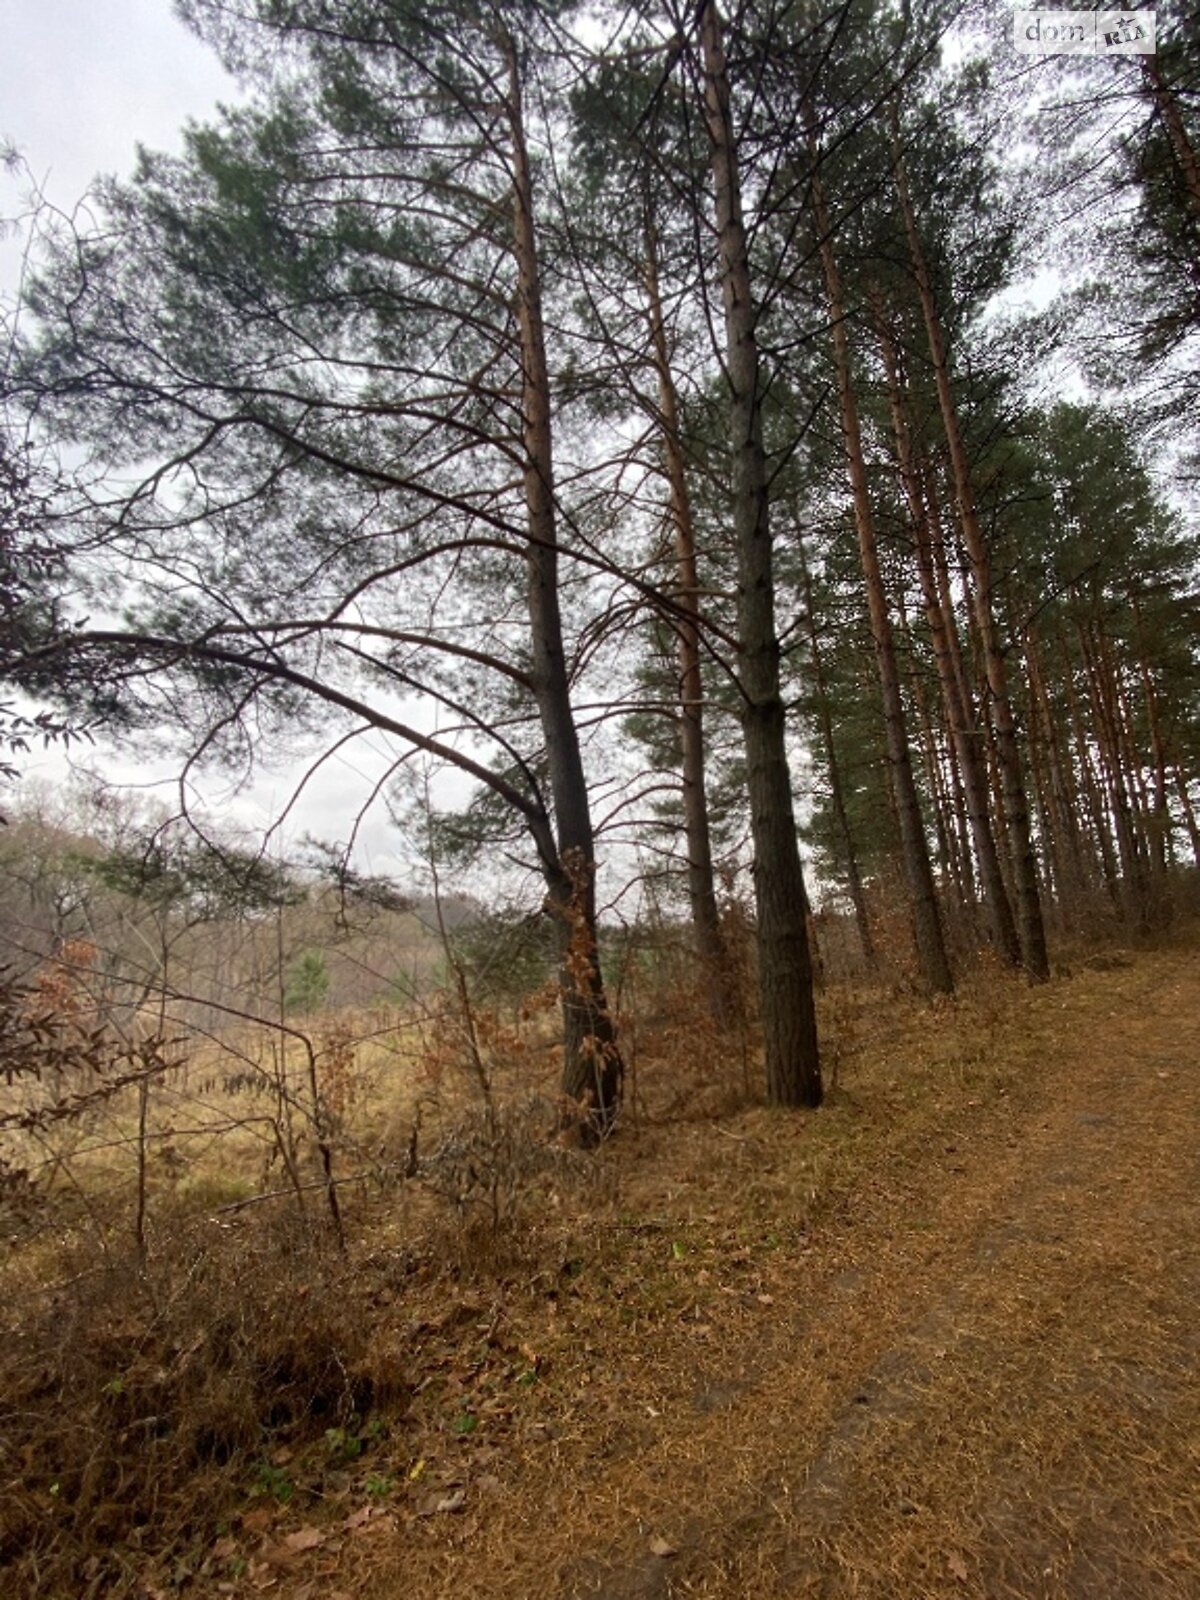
x,y
937,1339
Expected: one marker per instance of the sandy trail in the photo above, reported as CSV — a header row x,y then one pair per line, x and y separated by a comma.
x,y
977,1379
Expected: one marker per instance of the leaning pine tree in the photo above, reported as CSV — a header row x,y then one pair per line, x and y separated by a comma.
x,y
324,328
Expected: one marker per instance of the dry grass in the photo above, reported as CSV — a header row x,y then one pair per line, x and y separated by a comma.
x,y
935,1340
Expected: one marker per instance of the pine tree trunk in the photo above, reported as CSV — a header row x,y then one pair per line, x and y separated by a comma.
x,y
854,881
592,1067
931,756
961,822
914,847
1101,832
706,921
1189,813
784,959
1160,816
948,659
1131,757
1003,837
1051,859
1181,145
1063,823
1030,927
1111,768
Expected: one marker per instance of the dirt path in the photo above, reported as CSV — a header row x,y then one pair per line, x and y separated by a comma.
x,y
977,1378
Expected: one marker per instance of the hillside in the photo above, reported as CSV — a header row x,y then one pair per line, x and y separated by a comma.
x,y
937,1339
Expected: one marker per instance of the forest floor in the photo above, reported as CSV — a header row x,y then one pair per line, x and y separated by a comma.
x,y
974,1372
941,1338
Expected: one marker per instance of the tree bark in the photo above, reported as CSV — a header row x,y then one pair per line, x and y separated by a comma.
x,y
1189,813
1111,764
948,659
1061,796
1101,832
854,881
1030,927
1051,858
1125,742
1160,816
784,959
1181,145
706,921
931,756
914,846
592,1068
961,823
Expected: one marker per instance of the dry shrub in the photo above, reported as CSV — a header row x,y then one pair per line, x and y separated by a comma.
x,y
340,1080
135,1406
891,930
688,1036
837,942
1093,920
496,1163
151,1380
486,1143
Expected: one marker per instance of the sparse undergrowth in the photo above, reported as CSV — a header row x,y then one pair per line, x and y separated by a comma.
x,y
251,1411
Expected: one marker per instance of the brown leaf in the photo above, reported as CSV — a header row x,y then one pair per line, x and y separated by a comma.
x,y
368,1519
304,1539
455,1501
661,1547
382,1523
958,1567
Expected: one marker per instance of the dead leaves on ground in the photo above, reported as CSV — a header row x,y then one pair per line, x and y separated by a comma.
x,y
309,1551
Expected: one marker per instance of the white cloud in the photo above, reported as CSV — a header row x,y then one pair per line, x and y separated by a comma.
x,y
83,82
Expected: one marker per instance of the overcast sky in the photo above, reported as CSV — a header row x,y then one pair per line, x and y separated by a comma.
x,y
82,83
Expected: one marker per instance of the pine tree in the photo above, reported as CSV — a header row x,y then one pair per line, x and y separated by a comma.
x,y
328,320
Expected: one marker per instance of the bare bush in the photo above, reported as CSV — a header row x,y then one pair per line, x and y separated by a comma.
x,y
492,1162
135,1404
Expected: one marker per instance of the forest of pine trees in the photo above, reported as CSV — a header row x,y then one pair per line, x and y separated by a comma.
x,y
641,413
